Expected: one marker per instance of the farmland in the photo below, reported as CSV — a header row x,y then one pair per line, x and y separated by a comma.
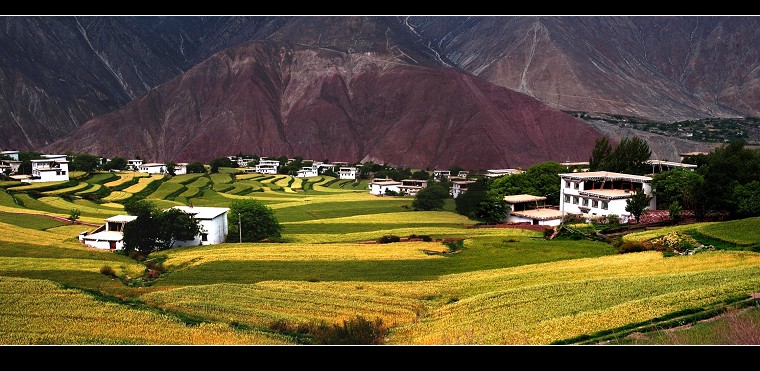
x,y
497,286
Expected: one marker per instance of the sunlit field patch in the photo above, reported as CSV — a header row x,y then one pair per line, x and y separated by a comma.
x,y
42,312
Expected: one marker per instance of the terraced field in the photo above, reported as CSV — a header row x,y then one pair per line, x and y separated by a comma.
x,y
481,286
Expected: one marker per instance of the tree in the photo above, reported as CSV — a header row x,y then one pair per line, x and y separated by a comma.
x,y
747,199
600,154
637,204
454,170
196,167
74,215
677,184
171,167
432,197
174,225
220,162
420,175
674,210
538,180
155,230
116,163
491,209
85,162
253,221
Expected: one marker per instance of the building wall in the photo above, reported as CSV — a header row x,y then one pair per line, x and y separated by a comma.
x,y
379,189
216,228
613,206
101,244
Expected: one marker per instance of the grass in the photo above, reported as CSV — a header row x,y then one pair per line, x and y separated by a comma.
x,y
31,221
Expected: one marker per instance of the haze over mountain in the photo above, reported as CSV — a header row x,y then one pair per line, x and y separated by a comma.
x,y
58,73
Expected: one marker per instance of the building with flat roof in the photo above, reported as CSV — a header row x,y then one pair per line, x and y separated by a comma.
x,y
601,193
525,208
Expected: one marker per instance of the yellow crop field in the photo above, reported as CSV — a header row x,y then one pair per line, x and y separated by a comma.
x,y
73,189
33,186
67,205
656,233
42,312
435,232
296,303
397,218
117,196
95,187
143,182
220,178
543,303
300,252
12,233
124,177
113,205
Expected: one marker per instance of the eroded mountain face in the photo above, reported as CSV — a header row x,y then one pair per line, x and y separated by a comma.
x,y
59,72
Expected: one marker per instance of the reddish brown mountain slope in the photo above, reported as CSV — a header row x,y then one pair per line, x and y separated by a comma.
x,y
272,99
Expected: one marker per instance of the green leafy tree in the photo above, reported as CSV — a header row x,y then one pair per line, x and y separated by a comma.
x,y
432,197
600,154
196,167
491,210
468,202
725,169
675,211
174,225
220,162
677,184
155,230
747,199
74,215
538,180
421,175
171,168
253,221
116,163
454,170
85,162
637,204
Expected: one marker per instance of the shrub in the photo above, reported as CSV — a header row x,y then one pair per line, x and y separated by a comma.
x,y
548,232
627,247
356,331
108,271
389,239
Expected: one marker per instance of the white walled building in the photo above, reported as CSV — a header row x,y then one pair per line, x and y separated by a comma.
x,y
11,154
49,170
347,173
308,171
531,209
134,164
110,236
438,174
152,168
267,166
410,187
378,186
459,186
495,173
181,168
601,193
213,222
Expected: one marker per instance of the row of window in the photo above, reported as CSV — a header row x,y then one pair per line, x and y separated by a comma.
x,y
587,202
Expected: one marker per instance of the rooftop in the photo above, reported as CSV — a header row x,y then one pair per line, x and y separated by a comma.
x,y
608,193
203,212
516,199
105,236
542,214
121,218
606,175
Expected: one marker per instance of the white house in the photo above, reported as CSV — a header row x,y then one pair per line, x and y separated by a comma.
x,y
181,168
133,164
459,186
267,166
495,173
308,171
410,187
531,209
438,174
152,168
378,186
9,166
213,222
110,235
49,170
347,173
11,154
659,166
601,193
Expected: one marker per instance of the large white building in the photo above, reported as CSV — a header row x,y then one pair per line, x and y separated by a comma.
x,y
601,193
410,187
152,168
110,235
267,166
531,209
51,169
134,164
379,186
459,186
11,154
213,222
347,173
308,171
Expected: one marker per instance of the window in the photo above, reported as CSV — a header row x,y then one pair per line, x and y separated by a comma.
x,y
605,205
575,200
594,203
204,236
567,199
567,184
585,201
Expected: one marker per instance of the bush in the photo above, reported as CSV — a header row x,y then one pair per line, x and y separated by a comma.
x,y
356,331
548,232
627,247
388,239
108,271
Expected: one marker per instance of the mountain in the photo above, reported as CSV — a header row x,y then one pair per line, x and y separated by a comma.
x,y
270,98
57,73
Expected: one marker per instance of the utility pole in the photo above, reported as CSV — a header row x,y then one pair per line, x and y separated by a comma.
x,y
240,227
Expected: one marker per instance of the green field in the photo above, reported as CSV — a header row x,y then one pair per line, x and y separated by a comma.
x,y
496,286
